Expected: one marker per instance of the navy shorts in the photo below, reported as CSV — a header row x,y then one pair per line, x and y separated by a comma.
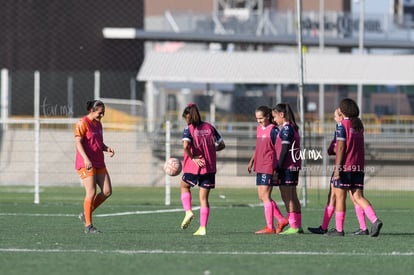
x,y
350,180
205,181
264,179
288,178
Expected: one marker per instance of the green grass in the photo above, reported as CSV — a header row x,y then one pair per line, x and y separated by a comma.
x,y
48,239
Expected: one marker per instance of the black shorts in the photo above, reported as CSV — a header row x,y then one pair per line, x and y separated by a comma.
x,y
288,178
350,180
205,181
264,179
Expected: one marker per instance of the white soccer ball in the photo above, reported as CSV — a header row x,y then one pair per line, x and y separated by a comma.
x,y
173,167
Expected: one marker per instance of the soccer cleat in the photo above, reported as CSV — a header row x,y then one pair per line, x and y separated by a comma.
x,y
292,231
91,229
189,216
334,233
82,217
376,227
201,231
317,230
361,232
265,230
281,225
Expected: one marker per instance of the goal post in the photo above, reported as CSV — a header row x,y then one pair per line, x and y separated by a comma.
x,y
167,156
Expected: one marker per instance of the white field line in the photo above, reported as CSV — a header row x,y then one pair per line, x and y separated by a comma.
x,y
237,253
134,252
158,212
98,215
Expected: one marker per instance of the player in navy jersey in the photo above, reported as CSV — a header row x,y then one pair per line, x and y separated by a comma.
x,y
263,162
288,164
349,168
201,140
330,205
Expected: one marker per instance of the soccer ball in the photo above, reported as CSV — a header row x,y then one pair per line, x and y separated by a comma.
x,y
173,167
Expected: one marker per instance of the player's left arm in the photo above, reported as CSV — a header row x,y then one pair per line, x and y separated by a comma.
x,y
340,154
340,149
220,145
109,150
286,136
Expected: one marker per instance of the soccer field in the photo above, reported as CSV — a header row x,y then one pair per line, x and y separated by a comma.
x,y
142,236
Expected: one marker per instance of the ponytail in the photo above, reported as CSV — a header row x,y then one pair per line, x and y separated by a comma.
x,y
288,113
192,110
350,109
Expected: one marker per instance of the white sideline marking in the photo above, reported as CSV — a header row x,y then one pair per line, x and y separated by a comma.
x,y
156,211
142,212
98,215
37,215
237,253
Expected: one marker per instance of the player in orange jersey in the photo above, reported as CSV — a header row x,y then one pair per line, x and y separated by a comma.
x,y
90,163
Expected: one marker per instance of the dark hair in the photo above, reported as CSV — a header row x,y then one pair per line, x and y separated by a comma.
x,y
94,104
350,109
266,112
192,110
287,111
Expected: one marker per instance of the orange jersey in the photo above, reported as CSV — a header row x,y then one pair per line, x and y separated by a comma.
x,y
81,128
92,142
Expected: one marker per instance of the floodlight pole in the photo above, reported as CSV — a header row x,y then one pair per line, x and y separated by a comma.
x,y
301,99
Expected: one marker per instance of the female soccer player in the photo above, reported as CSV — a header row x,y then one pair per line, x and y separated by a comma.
x,y
90,163
349,168
288,164
263,161
330,205
200,142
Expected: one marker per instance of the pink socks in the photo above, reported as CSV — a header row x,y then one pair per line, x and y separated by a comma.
x,y
268,211
360,216
369,211
186,200
204,213
277,213
295,219
339,219
329,210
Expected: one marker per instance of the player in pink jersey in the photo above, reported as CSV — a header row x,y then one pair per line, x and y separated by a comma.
x,y
90,163
263,162
288,165
200,142
349,168
330,205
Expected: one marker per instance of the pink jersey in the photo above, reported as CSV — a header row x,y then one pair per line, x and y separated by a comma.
x,y
354,158
265,154
202,141
92,142
289,135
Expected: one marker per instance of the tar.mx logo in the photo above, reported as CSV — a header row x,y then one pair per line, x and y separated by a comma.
x,y
298,154
56,110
